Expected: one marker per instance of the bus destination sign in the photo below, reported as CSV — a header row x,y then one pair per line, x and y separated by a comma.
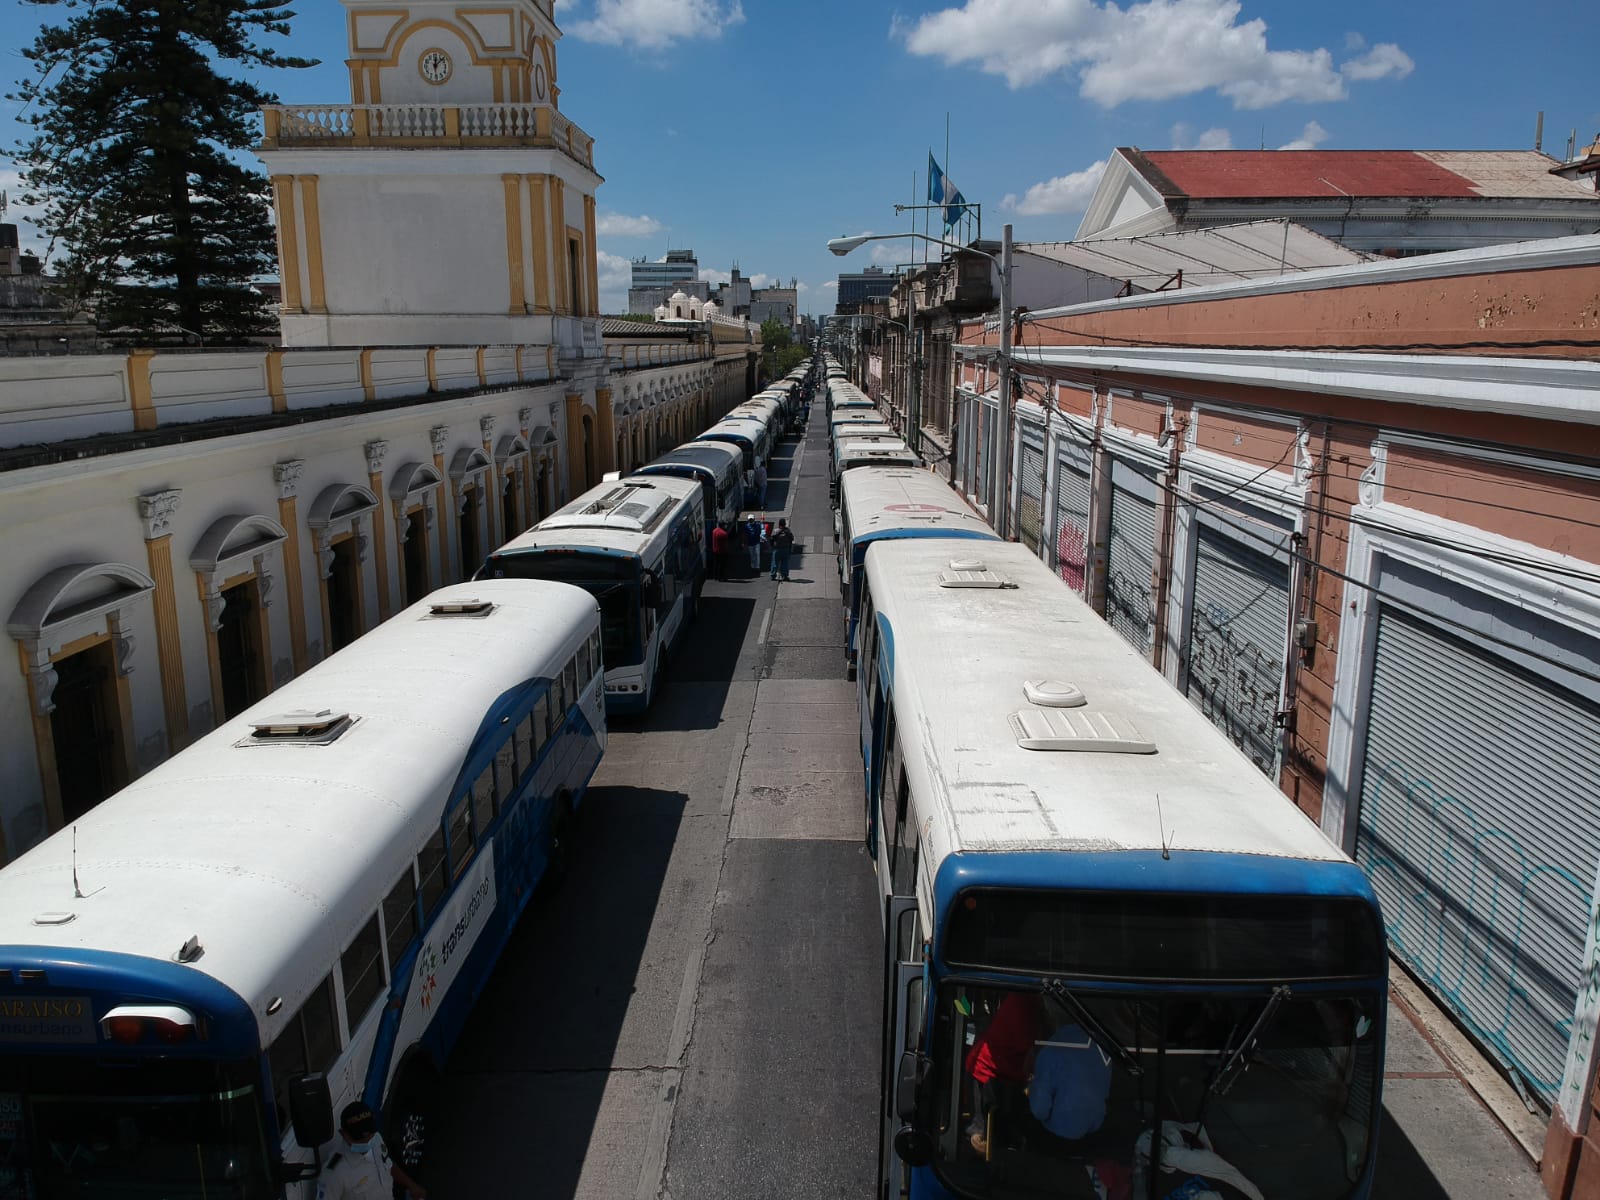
x,y
58,1020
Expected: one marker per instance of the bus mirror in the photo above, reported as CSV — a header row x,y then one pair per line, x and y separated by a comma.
x,y
311,1110
908,1087
914,1147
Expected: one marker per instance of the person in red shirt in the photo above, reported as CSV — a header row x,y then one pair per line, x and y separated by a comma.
x,y
719,550
1001,1060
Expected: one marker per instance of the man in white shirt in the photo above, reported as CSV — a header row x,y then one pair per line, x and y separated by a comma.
x,y
360,1167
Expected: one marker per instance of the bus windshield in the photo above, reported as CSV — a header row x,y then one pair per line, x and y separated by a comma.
x,y
74,1129
1266,1094
612,580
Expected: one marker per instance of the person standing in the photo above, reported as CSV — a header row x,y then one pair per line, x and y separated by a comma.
x,y
360,1167
754,534
719,551
761,486
782,547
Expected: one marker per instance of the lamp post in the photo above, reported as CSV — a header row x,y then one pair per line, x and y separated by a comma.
x,y
1000,494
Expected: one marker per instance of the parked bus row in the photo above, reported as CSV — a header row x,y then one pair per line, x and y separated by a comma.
x,y
299,910
640,543
1112,949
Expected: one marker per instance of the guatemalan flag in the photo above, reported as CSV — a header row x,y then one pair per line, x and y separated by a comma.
x,y
942,191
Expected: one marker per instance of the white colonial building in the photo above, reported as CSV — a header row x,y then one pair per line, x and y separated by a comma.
x,y
184,531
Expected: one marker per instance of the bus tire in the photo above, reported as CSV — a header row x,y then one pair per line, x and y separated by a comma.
x,y
409,1112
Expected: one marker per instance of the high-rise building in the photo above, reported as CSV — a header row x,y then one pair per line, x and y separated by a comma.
x,y
872,284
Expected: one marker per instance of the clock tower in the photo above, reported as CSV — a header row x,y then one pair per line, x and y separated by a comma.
x,y
450,202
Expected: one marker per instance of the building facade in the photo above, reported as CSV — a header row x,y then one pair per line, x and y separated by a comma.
x,y
1370,555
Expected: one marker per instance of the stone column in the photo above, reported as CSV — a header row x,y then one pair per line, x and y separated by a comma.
x,y
156,510
605,431
491,484
376,452
577,475
438,438
286,475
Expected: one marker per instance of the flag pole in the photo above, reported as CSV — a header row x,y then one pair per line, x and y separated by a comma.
x,y
945,227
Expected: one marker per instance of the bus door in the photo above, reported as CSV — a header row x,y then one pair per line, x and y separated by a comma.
x,y
903,1005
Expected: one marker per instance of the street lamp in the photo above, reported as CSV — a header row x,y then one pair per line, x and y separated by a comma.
x,y
1000,494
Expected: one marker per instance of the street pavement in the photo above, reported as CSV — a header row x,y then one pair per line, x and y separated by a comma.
x,y
695,1015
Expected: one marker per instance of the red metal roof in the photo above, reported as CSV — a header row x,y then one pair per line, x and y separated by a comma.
x,y
1273,174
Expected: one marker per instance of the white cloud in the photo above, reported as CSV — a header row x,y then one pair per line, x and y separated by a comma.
x,y
831,286
616,273
656,24
804,287
618,225
762,280
1151,50
1312,136
1210,139
1063,194
1383,61
713,276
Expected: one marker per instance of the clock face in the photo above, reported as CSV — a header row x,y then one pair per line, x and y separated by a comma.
x,y
434,65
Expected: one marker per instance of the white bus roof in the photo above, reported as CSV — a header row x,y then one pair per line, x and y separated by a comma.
x,y
879,501
961,735
623,514
274,855
713,456
887,452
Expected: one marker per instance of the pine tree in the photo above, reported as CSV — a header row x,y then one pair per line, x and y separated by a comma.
x,y
135,155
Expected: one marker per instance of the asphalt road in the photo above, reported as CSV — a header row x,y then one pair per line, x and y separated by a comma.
x,y
694,1016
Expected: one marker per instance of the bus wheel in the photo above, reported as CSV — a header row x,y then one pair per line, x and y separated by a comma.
x,y
408,1115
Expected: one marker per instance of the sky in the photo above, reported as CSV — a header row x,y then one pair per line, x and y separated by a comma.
x,y
752,131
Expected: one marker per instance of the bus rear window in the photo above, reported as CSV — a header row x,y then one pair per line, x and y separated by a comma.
x,y
1114,935
564,566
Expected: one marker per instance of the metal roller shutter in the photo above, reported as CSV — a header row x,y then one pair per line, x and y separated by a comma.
x,y
1073,489
1131,554
1480,830
1030,485
1234,644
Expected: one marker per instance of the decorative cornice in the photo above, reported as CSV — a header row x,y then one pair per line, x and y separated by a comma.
x,y
439,437
377,450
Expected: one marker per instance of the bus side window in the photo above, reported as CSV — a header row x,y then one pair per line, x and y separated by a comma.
x,y
483,802
541,723
505,772
430,870
308,1043
891,788
585,669
361,968
569,685
905,827
400,915
596,656
458,834
558,703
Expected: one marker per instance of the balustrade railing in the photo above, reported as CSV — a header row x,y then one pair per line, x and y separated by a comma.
x,y
307,125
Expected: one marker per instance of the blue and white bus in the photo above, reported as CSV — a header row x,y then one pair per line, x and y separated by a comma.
x,y
768,409
638,545
884,504
748,433
719,468
320,887
870,450
1114,952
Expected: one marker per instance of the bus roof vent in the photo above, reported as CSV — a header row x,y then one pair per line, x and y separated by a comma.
x,y
1061,729
1053,693
972,573
466,606
301,727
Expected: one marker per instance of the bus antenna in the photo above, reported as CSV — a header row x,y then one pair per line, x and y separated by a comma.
x,y
1161,824
77,892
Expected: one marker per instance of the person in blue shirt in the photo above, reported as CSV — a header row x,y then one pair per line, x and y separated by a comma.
x,y
1071,1083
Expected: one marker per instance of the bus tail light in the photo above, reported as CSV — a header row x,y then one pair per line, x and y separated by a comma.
x,y
131,1025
